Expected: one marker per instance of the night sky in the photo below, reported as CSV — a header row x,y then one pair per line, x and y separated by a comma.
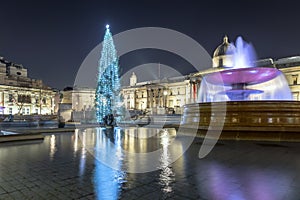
x,y
51,38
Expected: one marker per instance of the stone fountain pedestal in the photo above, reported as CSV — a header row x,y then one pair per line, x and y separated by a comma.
x,y
246,120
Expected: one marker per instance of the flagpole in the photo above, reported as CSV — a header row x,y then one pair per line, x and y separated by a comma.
x,y
158,71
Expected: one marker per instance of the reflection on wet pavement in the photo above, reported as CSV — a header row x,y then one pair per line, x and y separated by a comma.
x,y
75,165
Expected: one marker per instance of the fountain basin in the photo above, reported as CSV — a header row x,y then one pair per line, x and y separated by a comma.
x,y
248,76
246,120
236,94
244,84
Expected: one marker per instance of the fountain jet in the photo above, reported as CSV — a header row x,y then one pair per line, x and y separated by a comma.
x,y
244,81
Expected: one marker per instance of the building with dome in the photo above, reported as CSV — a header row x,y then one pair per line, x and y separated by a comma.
x,y
168,95
223,55
160,96
173,94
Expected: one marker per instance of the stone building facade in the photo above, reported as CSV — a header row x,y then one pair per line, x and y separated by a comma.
x,y
77,104
157,96
22,95
170,94
291,68
175,92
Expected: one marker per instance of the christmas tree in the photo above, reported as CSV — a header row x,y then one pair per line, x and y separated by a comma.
x,y
107,98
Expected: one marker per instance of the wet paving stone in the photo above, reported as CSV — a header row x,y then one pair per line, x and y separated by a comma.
x,y
60,168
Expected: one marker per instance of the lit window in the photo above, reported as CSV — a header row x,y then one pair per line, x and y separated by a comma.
x,y
295,79
10,98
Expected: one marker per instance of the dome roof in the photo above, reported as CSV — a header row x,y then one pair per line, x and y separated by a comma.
x,y
225,48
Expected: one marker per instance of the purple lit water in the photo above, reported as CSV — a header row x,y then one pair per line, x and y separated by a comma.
x,y
248,76
244,55
244,81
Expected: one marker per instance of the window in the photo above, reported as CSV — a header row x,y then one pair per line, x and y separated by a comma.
x,y
220,62
10,98
171,104
128,104
24,98
23,111
27,111
10,110
295,79
28,99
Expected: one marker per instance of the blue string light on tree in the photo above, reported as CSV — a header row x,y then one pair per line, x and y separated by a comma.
x,y
107,98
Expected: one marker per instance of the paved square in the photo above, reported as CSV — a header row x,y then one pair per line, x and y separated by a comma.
x,y
60,168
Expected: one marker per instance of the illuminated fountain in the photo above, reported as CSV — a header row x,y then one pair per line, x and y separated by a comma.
x,y
244,81
243,101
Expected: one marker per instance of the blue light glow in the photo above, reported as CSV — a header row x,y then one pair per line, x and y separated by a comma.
x,y
108,87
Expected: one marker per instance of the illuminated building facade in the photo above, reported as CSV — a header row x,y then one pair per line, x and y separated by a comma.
x,y
157,95
22,95
291,68
175,92
161,96
77,104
